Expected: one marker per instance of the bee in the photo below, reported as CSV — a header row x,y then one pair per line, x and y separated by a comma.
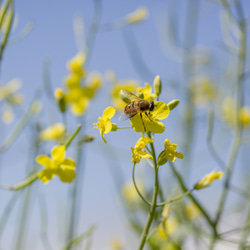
x,y
136,106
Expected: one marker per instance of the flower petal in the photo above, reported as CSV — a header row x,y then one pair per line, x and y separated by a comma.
x,y
144,155
142,142
58,153
44,160
155,126
108,113
137,123
66,175
46,174
68,164
101,133
161,111
108,126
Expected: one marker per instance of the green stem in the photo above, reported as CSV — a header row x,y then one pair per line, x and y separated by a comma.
x,y
239,102
22,225
162,203
153,204
75,194
245,234
7,32
136,188
123,127
176,198
73,136
24,184
4,11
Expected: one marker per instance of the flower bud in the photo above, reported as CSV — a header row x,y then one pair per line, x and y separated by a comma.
x,y
208,179
138,15
60,98
173,104
157,85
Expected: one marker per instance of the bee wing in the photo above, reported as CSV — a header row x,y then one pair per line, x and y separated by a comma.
x,y
124,116
127,96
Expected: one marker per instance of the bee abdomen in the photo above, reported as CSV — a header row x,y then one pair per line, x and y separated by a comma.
x,y
144,106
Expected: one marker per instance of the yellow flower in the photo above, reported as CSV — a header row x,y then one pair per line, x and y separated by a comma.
x,y
7,115
138,153
150,122
116,244
54,132
147,92
229,113
78,97
75,65
169,153
58,165
137,16
73,80
161,235
94,80
203,91
8,92
104,123
192,211
245,116
208,179
94,83
77,100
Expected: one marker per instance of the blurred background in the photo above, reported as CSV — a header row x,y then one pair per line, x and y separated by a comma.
x,y
194,46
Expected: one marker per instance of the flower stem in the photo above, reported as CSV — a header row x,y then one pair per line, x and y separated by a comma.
x,y
153,203
73,136
136,188
24,184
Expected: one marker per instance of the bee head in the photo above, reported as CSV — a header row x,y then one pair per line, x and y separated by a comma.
x,y
151,106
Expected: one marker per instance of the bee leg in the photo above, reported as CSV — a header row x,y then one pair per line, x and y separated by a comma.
x,y
143,122
147,114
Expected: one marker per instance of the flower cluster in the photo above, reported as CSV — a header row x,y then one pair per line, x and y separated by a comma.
x,y
10,97
146,120
80,87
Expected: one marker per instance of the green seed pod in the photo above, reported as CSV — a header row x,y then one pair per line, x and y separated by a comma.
x,y
173,104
